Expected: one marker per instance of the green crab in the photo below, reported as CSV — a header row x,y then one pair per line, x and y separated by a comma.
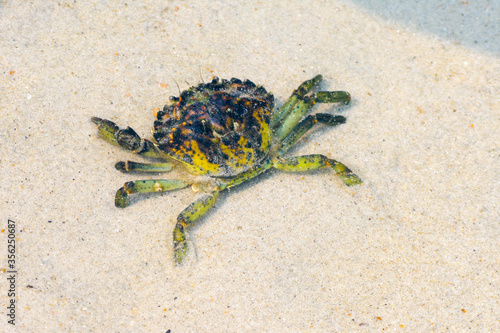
x,y
229,132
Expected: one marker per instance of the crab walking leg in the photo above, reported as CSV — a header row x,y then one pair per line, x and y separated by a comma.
x,y
305,124
186,218
297,95
131,166
122,199
125,138
312,162
300,109
201,206
247,175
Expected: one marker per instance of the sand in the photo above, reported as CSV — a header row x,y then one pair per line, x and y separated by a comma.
x,y
416,248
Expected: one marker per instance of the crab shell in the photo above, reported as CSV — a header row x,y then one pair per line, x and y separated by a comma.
x,y
220,129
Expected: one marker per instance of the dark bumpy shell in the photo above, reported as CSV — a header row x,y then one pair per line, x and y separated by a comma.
x,y
219,128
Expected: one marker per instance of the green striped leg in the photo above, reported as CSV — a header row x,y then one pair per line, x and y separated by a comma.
x,y
305,124
297,95
299,110
313,162
122,199
201,206
130,166
186,218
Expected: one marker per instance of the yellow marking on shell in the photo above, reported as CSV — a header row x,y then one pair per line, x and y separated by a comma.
x,y
265,132
239,155
201,165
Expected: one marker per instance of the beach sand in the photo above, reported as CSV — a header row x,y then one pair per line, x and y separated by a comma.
x,y
416,248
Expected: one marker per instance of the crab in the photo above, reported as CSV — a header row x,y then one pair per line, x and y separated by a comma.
x,y
225,132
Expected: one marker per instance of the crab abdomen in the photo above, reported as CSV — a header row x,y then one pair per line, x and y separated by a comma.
x,y
220,128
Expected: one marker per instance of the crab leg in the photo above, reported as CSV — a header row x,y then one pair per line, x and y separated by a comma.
x,y
313,162
298,111
130,166
305,124
297,95
247,175
186,218
125,138
122,199
201,206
